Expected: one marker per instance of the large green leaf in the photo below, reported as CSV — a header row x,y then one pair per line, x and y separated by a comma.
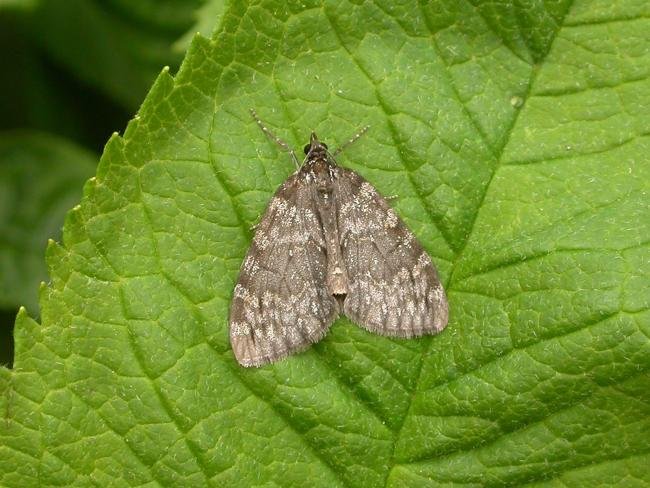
x,y
517,141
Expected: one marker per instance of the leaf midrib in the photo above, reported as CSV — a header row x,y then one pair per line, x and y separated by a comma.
x,y
459,255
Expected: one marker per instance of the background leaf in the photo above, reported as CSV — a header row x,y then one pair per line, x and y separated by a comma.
x,y
17,4
124,43
49,51
39,95
207,19
516,140
40,179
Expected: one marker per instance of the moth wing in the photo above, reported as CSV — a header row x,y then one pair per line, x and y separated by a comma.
x,y
393,287
281,304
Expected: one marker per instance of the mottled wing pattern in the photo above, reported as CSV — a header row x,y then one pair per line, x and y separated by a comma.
x,y
393,287
281,304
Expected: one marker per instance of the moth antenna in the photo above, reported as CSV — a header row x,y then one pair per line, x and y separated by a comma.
x,y
275,138
351,140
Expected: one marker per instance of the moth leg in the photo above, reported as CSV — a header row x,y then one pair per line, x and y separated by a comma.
x,y
351,140
275,138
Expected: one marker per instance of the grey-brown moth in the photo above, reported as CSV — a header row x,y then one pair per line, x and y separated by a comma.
x,y
329,244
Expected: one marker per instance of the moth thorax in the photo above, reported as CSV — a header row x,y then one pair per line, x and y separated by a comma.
x,y
322,176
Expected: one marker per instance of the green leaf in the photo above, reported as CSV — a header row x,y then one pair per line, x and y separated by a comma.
x,y
516,139
40,96
17,4
115,45
40,179
207,18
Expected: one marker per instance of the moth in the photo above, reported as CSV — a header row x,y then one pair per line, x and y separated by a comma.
x,y
329,244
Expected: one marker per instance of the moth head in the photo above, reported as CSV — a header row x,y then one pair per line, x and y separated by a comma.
x,y
315,145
